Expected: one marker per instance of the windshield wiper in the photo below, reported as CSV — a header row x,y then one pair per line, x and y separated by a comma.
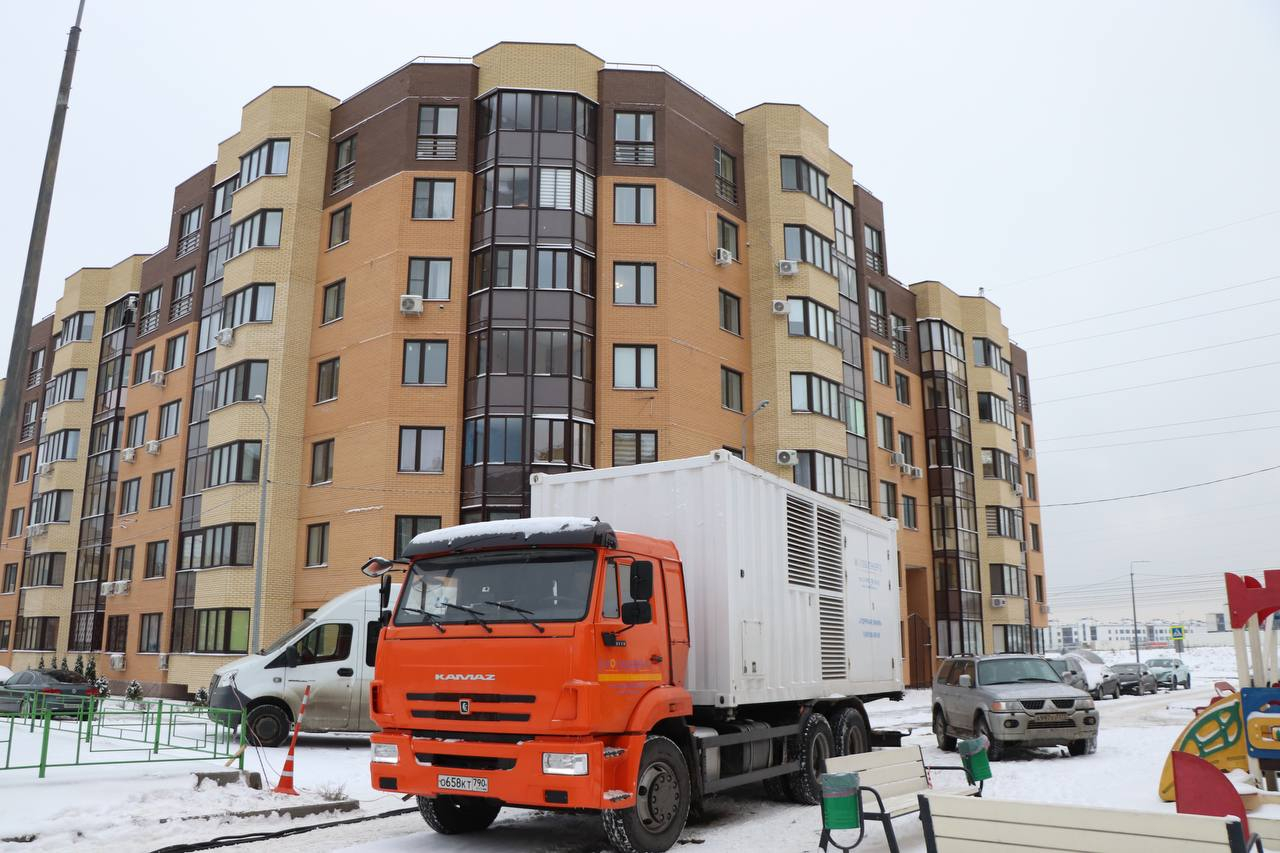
x,y
431,619
1039,678
475,614
519,611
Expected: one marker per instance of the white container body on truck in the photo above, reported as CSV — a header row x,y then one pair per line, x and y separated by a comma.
x,y
792,596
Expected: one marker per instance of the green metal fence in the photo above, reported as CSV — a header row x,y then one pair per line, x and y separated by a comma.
x,y
39,731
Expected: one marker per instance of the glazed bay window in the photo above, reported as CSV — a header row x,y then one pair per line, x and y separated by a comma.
x,y
236,462
873,243
409,526
339,226
804,244
327,380
335,297
217,547
998,465
170,414
730,313
188,232
175,352
634,204
816,394
77,327
800,175
437,133
1004,521
987,353
634,284
634,447
1008,580
432,199
727,236
823,473
505,441
506,186
252,304
888,499
239,383
222,630
995,409
429,277
269,158
257,229
45,569
560,269
322,462
550,440
724,166
422,450
344,164
884,432
731,389
157,559
58,446
54,506
635,367
317,545
162,489
425,362
633,139
136,431
808,318
67,385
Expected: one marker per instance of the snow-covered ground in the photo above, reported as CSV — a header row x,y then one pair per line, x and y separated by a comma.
x,y
119,808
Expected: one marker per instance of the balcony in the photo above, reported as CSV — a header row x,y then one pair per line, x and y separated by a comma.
x,y
875,261
900,349
28,432
1024,403
180,307
437,148
35,377
634,153
187,244
727,190
879,324
148,323
345,177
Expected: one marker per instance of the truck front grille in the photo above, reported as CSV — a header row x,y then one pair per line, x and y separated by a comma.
x,y
467,707
1051,724
465,762
1033,704
474,716
1064,704
487,698
470,737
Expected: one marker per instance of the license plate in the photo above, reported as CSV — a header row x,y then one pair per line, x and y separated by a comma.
x,y
1052,718
476,784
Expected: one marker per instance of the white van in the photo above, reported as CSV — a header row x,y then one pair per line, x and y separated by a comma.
x,y
332,650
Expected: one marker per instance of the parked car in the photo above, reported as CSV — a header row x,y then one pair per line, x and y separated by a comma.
x,y
1135,678
1170,672
1066,670
1090,673
1014,700
60,690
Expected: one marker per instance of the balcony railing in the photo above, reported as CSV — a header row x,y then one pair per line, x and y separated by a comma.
x,y
28,431
1024,402
35,377
180,307
879,324
875,260
727,190
900,349
345,177
437,147
149,323
188,243
634,153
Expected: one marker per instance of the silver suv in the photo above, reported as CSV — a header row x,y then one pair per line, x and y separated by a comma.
x,y
1013,700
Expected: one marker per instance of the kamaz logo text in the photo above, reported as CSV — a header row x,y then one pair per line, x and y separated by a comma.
x,y
466,676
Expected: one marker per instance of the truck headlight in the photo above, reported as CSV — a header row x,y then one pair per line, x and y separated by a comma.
x,y
384,753
1006,705
1084,704
564,763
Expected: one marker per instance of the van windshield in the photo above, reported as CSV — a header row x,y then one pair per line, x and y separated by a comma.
x,y
288,635
544,585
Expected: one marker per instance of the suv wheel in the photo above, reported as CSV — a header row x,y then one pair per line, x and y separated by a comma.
x,y
1084,746
946,742
995,750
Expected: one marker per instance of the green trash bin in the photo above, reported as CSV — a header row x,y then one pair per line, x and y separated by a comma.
x,y
973,755
841,804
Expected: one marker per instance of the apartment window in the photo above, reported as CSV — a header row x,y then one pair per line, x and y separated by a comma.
x,y
29,417
149,635
425,362
1035,537
1032,495
136,433
873,242
117,634
169,417
142,362
635,366
437,133
888,499
240,383
634,447
257,229
1040,592
800,175
730,313
725,172
811,319
409,526
35,367
327,380
1008,580
252,304
560,269
909,518
998,465
334,299
175,352
188,232
907,447
902,388
37,633
731,389
57,447
551,353
129,495
422,449
825,474
4,633
157,559
124,564
216,547
53,506
222,630
235,462
633,139
817,394
432,199
509,186
344,164
804,244
77,327
317,545
17,520
24,468
727,236
884,432
340,226
45,569
505,441
555,188
633,205
880,366
634,284
269,158
161,489
1004,521
1026,435
429,277
1011,638
877,311
995,409
987,353
10,581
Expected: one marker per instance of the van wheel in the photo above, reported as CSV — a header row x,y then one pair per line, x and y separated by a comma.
x,y
946,742
268,725
850,732
817,744
663,792
456,815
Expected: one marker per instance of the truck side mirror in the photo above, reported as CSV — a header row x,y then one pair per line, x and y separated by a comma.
x,y
384,592
641,581
637,613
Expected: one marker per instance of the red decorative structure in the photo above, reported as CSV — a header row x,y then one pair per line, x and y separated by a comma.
x,y
1247,597
1203,789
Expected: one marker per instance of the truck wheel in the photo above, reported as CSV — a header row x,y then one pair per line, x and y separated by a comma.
x,y
456,815
817,744
946,742
1084,746
850,731
995,750
654,823
268,725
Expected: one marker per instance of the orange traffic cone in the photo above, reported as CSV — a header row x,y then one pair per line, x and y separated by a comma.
x,y
285,785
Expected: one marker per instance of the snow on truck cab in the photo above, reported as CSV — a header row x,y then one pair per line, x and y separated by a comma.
x,y
332,651
560,662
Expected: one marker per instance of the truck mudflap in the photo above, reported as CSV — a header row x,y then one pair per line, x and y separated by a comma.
x,y
516,773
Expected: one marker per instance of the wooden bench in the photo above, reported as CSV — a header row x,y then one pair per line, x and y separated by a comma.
x,y
891,780
964,825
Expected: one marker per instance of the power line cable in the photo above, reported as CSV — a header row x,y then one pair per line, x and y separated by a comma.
x,y
1160,426
1159,440
1160,382
1199,316
1157,357
1165,491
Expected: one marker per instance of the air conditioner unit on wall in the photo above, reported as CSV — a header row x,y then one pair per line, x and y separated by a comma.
x,y
46,468
122,587
107,588
1029,452
781,308
1017,490
37,529
127,454
788,267
153,447
896,458
997,601
723,257
157,378
790,458
916,472
162,663
130,303
117,662
410,303
225,337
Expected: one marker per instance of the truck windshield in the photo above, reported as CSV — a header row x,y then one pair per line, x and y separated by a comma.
x,y
545,585
1014,670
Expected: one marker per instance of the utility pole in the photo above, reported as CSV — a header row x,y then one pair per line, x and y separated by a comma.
x,y
1133,600
259,561
16,381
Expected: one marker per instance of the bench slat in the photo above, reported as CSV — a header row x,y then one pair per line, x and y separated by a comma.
x,y
893,790
863,761
891,773
1268,830
997,834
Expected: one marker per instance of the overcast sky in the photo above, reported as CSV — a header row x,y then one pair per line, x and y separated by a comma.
x,y
1013,144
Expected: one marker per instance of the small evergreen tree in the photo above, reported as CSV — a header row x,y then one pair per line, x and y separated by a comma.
x,y
64,664
79,665
201,699
134,691
41,664
91,668
104,687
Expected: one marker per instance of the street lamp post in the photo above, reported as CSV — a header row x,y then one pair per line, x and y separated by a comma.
x,y
747,420
259,561
1133,601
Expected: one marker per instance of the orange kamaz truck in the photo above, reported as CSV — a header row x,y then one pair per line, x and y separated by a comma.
x,y
654,635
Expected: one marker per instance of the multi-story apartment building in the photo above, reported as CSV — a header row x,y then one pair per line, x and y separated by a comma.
x,y
384,313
